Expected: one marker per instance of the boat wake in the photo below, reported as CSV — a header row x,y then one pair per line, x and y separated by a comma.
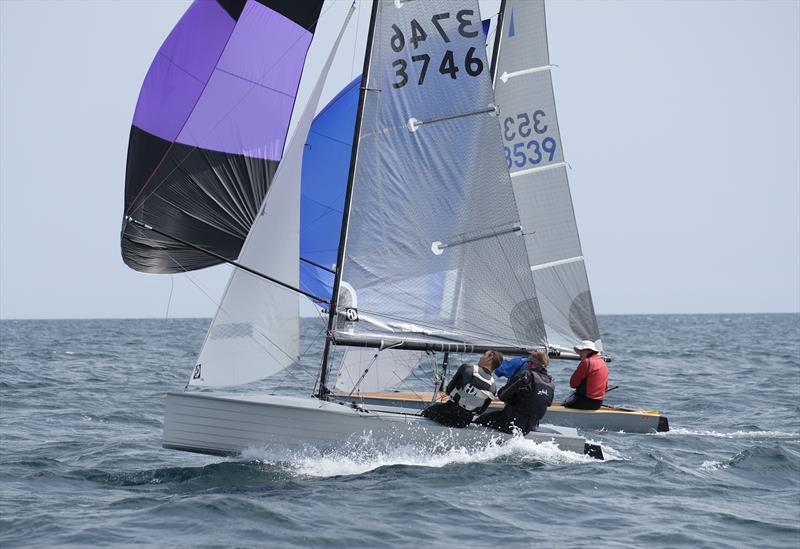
x,y
734,434
360,459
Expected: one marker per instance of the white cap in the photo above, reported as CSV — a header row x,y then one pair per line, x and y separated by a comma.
x,y
586,345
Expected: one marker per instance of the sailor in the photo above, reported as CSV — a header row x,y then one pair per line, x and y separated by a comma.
x,y
527,396
590,379
471,391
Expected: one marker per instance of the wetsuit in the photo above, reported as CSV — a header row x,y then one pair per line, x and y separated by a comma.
x,y
590,381
471,391
527,396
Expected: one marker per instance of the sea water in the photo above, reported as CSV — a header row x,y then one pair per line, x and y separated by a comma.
x,y
81,463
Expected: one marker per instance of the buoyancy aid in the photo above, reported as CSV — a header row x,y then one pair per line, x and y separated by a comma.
x,y
544,389
476,391
529,393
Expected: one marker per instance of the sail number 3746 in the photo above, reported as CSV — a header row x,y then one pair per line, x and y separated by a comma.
x,y
473,65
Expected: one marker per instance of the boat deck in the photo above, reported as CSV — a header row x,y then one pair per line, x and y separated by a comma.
x,y
607,417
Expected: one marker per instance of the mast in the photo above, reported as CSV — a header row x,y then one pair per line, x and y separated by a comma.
x,y
323,390
498,34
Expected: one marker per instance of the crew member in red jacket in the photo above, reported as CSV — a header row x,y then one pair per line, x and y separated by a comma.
x,y
590,379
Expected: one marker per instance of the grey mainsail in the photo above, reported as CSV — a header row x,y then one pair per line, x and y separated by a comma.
x,y
534,157
433,250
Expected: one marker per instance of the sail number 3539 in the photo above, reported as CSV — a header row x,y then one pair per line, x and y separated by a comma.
x,y
529,151
472,64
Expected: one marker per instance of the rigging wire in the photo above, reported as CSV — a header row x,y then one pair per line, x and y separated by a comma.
x,y
366,370
291,370
169,299
355,40
220,308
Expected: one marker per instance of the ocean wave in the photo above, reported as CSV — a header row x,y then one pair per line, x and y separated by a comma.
x,y
735,434
228,474
761,459
360,460
711,465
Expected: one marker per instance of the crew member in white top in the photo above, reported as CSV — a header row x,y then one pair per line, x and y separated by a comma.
x,y
471,391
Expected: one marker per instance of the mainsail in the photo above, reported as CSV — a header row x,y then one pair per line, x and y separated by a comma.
x,y
433,253
326,164
534,157
209,129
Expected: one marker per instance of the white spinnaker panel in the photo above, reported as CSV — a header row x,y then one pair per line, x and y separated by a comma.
x,y
431,245
370,370
256,330
532,145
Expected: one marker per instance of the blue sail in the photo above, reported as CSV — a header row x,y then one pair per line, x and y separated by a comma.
x,y
326,165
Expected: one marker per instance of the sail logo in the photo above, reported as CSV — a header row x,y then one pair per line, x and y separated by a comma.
x,y
351,314
196,372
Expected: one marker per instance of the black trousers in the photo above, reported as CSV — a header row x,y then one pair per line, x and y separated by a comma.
x,y
507,422
448,414
577,400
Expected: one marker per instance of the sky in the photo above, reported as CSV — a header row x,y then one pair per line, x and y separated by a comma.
x,y
680,121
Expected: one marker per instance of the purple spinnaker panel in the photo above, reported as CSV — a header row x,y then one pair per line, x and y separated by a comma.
x,y
281,51
181,68
247,105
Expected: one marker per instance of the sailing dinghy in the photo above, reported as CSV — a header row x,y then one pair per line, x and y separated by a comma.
x,y
533,153
431,255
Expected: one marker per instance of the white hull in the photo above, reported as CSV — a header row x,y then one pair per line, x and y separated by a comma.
x,y
229,424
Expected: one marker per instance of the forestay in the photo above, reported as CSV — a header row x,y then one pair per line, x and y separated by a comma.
x,y
255,332
433,250
534,157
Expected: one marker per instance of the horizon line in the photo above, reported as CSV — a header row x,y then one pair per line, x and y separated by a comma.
x,y
311,316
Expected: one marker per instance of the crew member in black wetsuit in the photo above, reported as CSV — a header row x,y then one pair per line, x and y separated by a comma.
x,y
527,396
471,391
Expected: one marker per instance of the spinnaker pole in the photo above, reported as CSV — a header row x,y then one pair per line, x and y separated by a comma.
x,y
323,374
